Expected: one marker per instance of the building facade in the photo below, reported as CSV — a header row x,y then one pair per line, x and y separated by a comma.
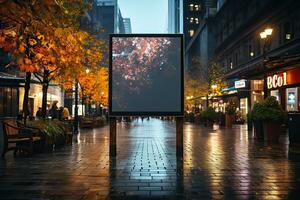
x,y
272,62
175,16
106,17
127,25
194,12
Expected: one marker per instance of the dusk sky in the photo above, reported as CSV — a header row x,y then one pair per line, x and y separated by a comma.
x,y
147,16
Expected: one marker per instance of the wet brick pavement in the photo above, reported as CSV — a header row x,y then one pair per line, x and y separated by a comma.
x,y
218,164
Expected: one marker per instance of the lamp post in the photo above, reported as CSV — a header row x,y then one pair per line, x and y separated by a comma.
x,y
266,38
76,121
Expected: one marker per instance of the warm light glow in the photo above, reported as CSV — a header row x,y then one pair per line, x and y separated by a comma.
x,y
268,31
214,87
263,35
87,71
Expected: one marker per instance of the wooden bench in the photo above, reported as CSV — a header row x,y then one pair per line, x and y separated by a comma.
x,y
23,138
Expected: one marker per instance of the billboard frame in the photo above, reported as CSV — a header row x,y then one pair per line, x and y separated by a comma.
x,y
147,113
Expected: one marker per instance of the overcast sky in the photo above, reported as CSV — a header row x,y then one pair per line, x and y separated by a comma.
x,y
147,16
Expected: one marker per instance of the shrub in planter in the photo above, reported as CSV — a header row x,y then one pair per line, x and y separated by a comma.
x,y
268,116
210,116
100,121
230,113
53,130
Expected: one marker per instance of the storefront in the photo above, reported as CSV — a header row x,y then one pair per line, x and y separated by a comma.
x,y
9,92
285,86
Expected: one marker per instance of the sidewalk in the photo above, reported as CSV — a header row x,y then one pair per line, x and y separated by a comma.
x,y
218,164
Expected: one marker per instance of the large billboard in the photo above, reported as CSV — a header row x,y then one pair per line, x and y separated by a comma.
x,y
146,75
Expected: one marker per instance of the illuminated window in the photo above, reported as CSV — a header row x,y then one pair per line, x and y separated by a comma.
x,y
251,53
196,7
191,20
191,32
196,20
287,31
191,7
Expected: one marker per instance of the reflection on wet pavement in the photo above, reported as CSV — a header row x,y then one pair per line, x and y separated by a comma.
x,y
218,163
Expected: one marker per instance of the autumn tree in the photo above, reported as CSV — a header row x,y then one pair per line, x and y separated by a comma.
x,y
195,81
25,25
30,27
216,78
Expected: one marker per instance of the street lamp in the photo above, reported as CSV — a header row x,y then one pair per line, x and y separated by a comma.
x,y
266,37
87,70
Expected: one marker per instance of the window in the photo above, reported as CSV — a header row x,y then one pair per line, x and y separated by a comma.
x,y
275,93
197,7
191,33
191,7
8,102
251,53
196,20
191,20
230,63
287,31
292,99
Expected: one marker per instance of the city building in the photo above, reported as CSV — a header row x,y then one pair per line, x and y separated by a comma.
x,y
127,25
258,44
105,17
194,12
175,16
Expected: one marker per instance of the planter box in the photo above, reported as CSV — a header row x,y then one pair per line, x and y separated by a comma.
x,y
229,120
272,131
294,128
258,130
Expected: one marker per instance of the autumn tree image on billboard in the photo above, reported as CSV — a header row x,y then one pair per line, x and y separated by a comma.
x,y
146,75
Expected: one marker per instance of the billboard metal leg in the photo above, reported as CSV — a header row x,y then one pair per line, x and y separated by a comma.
x,y
112,136
179,138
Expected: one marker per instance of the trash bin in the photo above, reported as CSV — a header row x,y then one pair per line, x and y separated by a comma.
x,y
294,127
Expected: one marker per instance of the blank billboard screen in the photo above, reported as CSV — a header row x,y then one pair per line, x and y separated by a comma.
x,y
146,75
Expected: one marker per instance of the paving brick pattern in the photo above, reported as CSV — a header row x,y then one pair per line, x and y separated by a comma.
x,y
218,164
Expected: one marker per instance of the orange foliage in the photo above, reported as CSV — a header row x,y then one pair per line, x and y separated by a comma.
x,y
44,37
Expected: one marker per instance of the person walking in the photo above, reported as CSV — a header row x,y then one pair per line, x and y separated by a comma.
x,y
66,113
53,112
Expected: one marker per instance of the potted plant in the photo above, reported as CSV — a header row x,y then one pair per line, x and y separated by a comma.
x,y
210,116
273,118
268,117
230,114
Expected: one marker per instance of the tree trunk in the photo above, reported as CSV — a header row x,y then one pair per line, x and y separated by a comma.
x,y
45,91
26,96
27,86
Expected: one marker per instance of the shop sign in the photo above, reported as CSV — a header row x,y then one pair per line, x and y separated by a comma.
x,y
277,80
240,84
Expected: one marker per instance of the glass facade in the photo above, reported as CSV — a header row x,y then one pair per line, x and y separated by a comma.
x,y
8,102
